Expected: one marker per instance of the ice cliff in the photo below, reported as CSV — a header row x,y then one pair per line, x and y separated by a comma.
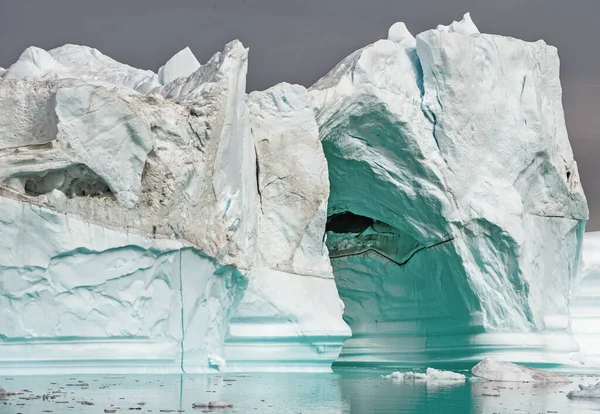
x,y
161,222
170,222
456,214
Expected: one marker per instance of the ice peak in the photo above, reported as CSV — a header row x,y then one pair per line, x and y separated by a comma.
x,y
465,26
35,62
181,65
235,48
399,33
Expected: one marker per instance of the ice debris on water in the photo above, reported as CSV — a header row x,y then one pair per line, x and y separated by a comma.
x,y
586,391
494,370
213,404
431,374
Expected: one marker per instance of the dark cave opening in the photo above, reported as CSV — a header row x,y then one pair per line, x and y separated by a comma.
x,y
348,222
75,181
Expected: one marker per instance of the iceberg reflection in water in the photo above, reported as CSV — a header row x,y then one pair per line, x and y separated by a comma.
x,y
284,393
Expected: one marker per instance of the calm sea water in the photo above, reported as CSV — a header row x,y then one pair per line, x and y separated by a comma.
x,y
286,393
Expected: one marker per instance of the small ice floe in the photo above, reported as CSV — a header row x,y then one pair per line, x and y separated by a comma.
x,y
494,370
586,391
213,404
431,374
4,394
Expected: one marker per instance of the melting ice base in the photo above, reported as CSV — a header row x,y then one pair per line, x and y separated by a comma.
x,y
293,393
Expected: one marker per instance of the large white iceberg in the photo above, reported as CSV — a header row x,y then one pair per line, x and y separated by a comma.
x,y
456,212
153,222
170,222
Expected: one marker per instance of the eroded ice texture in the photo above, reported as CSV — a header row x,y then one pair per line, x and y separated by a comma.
x,y
280,321
95,299
155,223
456,212
494,370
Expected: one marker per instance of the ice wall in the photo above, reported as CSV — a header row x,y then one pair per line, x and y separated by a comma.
x,y
456,213
280,321
80,297
140,231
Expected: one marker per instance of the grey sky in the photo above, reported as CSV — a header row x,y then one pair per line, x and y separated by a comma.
x,y
299,41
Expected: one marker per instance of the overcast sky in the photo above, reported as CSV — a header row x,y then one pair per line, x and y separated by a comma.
x,y
299,41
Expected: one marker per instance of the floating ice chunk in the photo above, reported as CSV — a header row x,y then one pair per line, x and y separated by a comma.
x,y
431,374
5,393
439,374
586,391
213,404
396,375
493,370
182,65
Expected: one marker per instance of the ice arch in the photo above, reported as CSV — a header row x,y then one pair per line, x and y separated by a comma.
x,y
463,213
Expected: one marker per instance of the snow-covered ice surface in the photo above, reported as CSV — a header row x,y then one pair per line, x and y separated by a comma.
x,y
456,213
494,370
169,222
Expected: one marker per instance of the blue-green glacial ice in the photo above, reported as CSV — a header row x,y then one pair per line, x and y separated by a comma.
x,y
456,214
418,206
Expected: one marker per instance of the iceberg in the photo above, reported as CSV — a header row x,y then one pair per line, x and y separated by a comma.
x,y
586,391
494,370
151,223
456,213
419,203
